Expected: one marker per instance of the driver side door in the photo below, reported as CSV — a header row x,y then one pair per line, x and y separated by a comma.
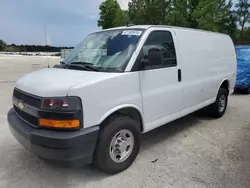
x,y
160,80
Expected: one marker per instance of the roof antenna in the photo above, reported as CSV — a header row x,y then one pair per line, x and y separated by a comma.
x,y
46,43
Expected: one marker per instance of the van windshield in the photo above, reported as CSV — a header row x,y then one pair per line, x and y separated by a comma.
x,y
107,51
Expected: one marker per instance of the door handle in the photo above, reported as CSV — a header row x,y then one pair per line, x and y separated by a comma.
x,y
179,75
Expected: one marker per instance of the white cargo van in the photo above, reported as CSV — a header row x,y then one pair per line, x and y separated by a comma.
x,y
116,85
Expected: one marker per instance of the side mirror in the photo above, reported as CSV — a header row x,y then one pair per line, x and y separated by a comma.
x,y
145,60
154,57
144,63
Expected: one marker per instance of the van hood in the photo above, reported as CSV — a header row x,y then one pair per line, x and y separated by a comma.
x,y
52,82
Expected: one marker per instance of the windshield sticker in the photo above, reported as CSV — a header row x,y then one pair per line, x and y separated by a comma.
x,y
132,32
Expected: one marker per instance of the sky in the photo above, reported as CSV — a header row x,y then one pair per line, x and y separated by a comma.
x,y
67,22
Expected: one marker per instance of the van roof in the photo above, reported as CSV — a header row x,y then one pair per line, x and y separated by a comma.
x,y
162,26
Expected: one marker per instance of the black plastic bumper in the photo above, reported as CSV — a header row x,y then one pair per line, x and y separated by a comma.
x,y
62,146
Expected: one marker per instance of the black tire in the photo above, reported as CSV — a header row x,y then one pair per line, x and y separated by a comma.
x,y
102,157
215,109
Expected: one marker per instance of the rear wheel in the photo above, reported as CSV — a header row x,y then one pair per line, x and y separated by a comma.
x,y
118,144
218,108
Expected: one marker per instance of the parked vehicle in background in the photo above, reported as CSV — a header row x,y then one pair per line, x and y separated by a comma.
x,y
243,69
116,85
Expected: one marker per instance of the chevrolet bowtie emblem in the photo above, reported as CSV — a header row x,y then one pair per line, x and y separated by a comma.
x,y
20,105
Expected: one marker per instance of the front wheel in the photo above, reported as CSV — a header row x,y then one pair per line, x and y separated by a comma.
x,y
218,108
118,144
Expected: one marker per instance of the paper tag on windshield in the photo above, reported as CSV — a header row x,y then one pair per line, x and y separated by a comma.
x,y
132,32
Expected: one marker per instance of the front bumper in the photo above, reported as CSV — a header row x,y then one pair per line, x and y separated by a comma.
x,y
62,146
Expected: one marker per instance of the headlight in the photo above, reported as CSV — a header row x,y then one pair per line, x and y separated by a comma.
x,y
62,103
61,112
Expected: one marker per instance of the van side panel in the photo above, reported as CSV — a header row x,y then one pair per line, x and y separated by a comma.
x,y
207,60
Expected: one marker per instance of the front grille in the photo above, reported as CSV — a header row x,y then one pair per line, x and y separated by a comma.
x,y
27,117
27,98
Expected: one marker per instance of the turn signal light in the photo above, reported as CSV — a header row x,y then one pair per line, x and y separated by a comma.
x,y
59,123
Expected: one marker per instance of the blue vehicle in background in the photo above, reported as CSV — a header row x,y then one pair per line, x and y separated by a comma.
x,y
243,69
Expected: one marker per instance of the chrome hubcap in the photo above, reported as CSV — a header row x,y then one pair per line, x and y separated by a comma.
x,y
222,103
121,146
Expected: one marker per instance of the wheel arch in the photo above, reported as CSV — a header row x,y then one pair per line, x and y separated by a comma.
x,y
130,110
225,84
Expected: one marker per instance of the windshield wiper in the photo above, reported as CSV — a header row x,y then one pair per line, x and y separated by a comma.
x,y
92,68
81,63
83,66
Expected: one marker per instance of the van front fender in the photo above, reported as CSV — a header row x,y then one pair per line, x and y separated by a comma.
x,y
120,107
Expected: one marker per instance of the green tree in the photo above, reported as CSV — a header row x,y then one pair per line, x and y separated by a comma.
x,y
121,18
167,12
111,15
230,25
243,14
213,15
2,45
191,6
244,39
136,11
179,13
246,35
149,11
